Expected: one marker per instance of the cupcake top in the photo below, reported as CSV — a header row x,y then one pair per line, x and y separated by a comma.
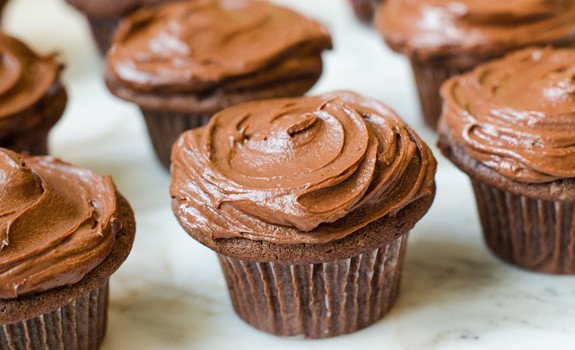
x,y
516,115
434,27
205,45
25,78
298,170
57,223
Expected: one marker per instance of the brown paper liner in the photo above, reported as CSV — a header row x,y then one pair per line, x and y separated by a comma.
x,y
317,300
428,79
81,325
164,129
533,234
103,31
35,144
364,9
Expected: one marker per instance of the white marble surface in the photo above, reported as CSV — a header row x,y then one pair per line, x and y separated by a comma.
x,y
170,294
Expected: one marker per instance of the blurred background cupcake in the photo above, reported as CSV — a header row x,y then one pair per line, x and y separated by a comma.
x,y
308,202
443,38
509,124
185,61
63,231
364,9
32,99
104,15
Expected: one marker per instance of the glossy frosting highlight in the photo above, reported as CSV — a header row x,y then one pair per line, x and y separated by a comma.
x,y
298,170
198,46
517,115
57,223
25,77
433,27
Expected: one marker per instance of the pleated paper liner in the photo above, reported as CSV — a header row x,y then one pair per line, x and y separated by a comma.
x,y
80,325
164,129
103,31
533,234
316,300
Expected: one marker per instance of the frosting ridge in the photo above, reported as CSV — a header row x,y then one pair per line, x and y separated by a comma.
x,y
517,115
57,223
298,170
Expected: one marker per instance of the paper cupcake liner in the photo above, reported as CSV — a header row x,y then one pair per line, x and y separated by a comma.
x,y
317,300
164,129
80,325
534,234
428,79
35,144
103,30
364,9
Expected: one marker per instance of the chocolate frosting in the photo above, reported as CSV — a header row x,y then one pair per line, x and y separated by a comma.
x,y
298,170
517,115
203,45
426,28
111,8
25,78
57,223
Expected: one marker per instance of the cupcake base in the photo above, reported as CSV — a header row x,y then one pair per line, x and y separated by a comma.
x,y
35,144
316,300
164,129
81,324
533,234
103,31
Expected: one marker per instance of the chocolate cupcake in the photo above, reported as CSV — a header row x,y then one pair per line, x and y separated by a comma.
x,y
364,9
104,16
183,62
443,38
63,232
308,202
32,99
509,125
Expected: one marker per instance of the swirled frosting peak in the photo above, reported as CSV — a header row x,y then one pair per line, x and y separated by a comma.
x,y
200,45
430,27
517,115
25,78
57,223
301,170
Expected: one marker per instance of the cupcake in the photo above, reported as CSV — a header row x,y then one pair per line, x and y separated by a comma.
x,y
63,232
307,202
509,125
32,99
104,16
183,62
364,9
443,38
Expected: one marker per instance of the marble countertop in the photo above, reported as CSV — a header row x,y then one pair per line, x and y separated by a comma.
x,y
171,294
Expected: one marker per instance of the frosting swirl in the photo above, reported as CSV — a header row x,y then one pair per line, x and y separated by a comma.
x,y
299,170
517,115
198,46
57,223
25,78
432,27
